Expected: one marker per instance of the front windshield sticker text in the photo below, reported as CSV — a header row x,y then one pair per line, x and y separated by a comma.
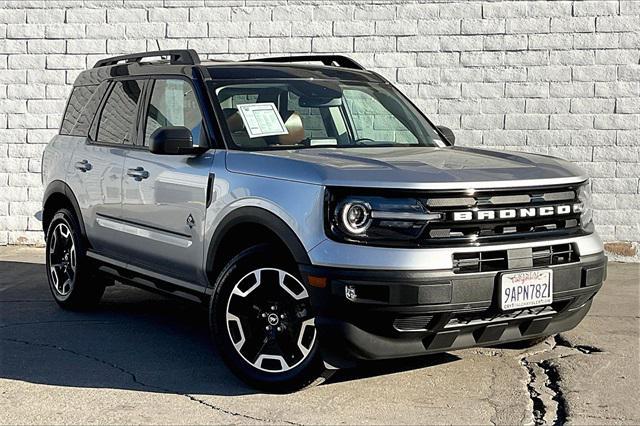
x,y
262,119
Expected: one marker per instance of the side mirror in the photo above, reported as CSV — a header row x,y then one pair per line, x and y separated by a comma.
x,y
173,141
448,134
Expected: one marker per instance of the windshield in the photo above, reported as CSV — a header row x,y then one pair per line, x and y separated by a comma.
x,y
319,113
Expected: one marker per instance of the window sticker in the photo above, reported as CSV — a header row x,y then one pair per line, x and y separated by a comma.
x,y
323,141
262,119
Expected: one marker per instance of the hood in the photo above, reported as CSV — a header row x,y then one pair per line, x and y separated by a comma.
x,y
407,167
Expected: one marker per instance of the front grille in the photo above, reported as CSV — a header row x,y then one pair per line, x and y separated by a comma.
x,y
463,320
412,323
426,322
491,228
498,260
480,261
557,254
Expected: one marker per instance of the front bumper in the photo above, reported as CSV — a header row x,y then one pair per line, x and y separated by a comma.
x,y
410,313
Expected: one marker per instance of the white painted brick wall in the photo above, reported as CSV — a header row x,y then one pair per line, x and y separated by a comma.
x,y
558,77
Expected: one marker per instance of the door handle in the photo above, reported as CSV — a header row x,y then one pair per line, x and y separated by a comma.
x,y
83,166
138,173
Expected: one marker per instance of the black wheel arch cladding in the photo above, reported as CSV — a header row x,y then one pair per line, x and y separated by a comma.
x,y
255,216
58,188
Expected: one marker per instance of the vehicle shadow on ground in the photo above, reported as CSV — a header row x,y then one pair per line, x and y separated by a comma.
x,y
134,340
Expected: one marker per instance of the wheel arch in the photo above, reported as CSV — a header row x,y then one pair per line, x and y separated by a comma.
x,y
256,225
57,195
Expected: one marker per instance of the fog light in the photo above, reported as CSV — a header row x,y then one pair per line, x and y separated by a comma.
x,y
350,292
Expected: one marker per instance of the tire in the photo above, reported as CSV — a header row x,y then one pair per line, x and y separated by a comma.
x,y
72,280
262,324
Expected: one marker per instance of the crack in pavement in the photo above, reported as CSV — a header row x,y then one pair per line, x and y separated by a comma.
x,y
539,408
620,419
614,316
553,383
146,385
585,349
492,403
19,324
547,396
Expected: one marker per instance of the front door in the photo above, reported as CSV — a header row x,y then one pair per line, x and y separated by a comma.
x,y
164,196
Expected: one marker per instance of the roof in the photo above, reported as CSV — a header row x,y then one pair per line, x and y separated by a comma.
x,y
183,62
256,70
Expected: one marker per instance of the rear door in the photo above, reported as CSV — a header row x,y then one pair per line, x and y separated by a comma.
x,y
164,196
97,166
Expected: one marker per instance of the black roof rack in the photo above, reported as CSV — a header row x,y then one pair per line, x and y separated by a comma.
x,y
177,57
339,60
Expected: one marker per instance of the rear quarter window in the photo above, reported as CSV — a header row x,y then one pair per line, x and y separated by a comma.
x,y
81,128
78,100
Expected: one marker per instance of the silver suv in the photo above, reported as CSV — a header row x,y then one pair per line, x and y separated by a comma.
x,y
318,213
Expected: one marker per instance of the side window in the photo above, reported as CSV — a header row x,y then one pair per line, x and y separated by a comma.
x,y
373,120
77,101
81,127
173,103
119,113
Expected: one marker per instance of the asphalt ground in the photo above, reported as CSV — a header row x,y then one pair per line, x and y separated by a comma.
x,y
141,358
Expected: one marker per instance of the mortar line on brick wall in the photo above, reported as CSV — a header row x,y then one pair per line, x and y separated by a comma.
x,y
591,46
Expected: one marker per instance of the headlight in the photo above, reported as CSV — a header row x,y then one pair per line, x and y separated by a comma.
x,y
376,219
355,217
586,204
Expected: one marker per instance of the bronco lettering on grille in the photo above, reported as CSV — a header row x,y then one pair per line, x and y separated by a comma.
x,y
517,213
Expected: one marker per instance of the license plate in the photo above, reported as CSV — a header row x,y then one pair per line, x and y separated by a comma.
x,y
524,289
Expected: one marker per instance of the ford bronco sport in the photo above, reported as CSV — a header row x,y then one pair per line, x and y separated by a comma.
x,y
320,215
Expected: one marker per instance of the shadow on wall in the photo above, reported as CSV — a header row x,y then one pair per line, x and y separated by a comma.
x,y
135,340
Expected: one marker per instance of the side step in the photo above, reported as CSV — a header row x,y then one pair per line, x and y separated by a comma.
x,y
148,280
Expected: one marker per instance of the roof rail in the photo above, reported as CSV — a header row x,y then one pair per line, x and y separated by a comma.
x,y
339,60
177,57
